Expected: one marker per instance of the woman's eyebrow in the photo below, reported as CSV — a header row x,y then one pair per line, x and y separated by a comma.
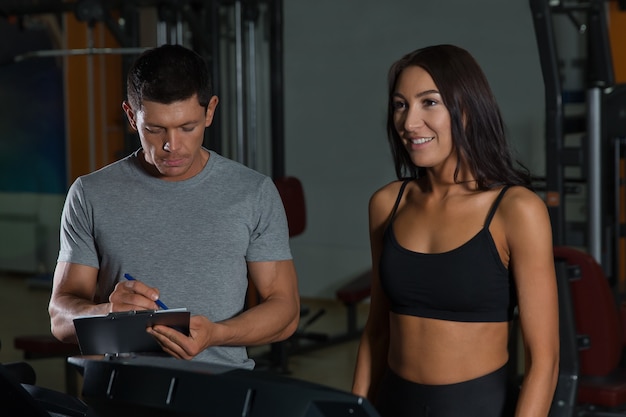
x,y
420,94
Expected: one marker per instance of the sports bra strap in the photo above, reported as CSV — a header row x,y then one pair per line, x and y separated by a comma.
x,y
395,206
494,206
492,212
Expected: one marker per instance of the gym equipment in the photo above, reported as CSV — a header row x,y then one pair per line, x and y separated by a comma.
x,y
564,401
601,126
592,378
139,386
45,346
19,397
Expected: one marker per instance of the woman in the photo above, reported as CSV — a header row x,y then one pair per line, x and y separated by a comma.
x,y
457,243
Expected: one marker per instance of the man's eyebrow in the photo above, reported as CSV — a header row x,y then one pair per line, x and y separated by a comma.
x,y
189,122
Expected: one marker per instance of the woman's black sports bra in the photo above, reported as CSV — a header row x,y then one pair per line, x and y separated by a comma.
x,y
467,284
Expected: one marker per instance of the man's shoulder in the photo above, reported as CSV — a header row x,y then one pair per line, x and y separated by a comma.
x,y
236,170
94,183
119,167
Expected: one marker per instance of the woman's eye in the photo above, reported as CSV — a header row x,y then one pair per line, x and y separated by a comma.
x,y
428,102
398,105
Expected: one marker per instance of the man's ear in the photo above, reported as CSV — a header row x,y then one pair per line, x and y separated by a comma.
x,y
210,111
130,114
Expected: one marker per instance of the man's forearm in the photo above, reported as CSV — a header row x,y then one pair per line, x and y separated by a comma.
x,y
63,309
271,321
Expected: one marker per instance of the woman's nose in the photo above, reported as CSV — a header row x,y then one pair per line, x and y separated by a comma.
x,y
413,120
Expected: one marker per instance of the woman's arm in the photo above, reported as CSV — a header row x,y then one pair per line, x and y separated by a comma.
x,y
529,238
373,348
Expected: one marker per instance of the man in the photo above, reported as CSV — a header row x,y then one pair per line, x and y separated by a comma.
x,y
188,224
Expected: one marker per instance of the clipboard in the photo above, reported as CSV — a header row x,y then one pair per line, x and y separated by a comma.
x,y
125,332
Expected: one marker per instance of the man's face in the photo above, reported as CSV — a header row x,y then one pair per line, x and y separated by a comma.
x,y
171,136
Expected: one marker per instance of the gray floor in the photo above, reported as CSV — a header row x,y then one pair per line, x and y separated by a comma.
x,y
23,311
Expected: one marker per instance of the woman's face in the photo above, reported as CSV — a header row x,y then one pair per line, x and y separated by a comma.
x,y
421,119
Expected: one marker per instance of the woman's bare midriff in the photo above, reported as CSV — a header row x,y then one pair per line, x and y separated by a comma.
x,y
435,352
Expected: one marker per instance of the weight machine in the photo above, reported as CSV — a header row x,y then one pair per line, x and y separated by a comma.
x,y
601,126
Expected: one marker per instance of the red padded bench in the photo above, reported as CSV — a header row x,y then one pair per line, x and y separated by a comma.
x,y
352,294
47,346
598,319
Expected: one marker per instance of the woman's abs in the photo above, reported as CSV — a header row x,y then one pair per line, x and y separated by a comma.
x,y
431,351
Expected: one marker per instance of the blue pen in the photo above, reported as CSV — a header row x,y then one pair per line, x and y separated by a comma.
x,y
158,302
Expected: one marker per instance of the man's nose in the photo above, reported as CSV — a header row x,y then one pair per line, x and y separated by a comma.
x,y
172,142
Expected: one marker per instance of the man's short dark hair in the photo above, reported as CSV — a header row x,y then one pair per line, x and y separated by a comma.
x,y
167,74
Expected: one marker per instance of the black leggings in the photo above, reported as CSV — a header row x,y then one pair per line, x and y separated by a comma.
x,y
486,396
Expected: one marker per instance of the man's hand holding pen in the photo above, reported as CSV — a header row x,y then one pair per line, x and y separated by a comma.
x,y
133,295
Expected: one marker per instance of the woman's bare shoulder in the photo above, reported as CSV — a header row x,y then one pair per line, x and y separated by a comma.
x,y
523,208
521,199
382,200
387,193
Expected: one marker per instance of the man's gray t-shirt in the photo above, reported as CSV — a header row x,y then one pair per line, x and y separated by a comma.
x,y
190,239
